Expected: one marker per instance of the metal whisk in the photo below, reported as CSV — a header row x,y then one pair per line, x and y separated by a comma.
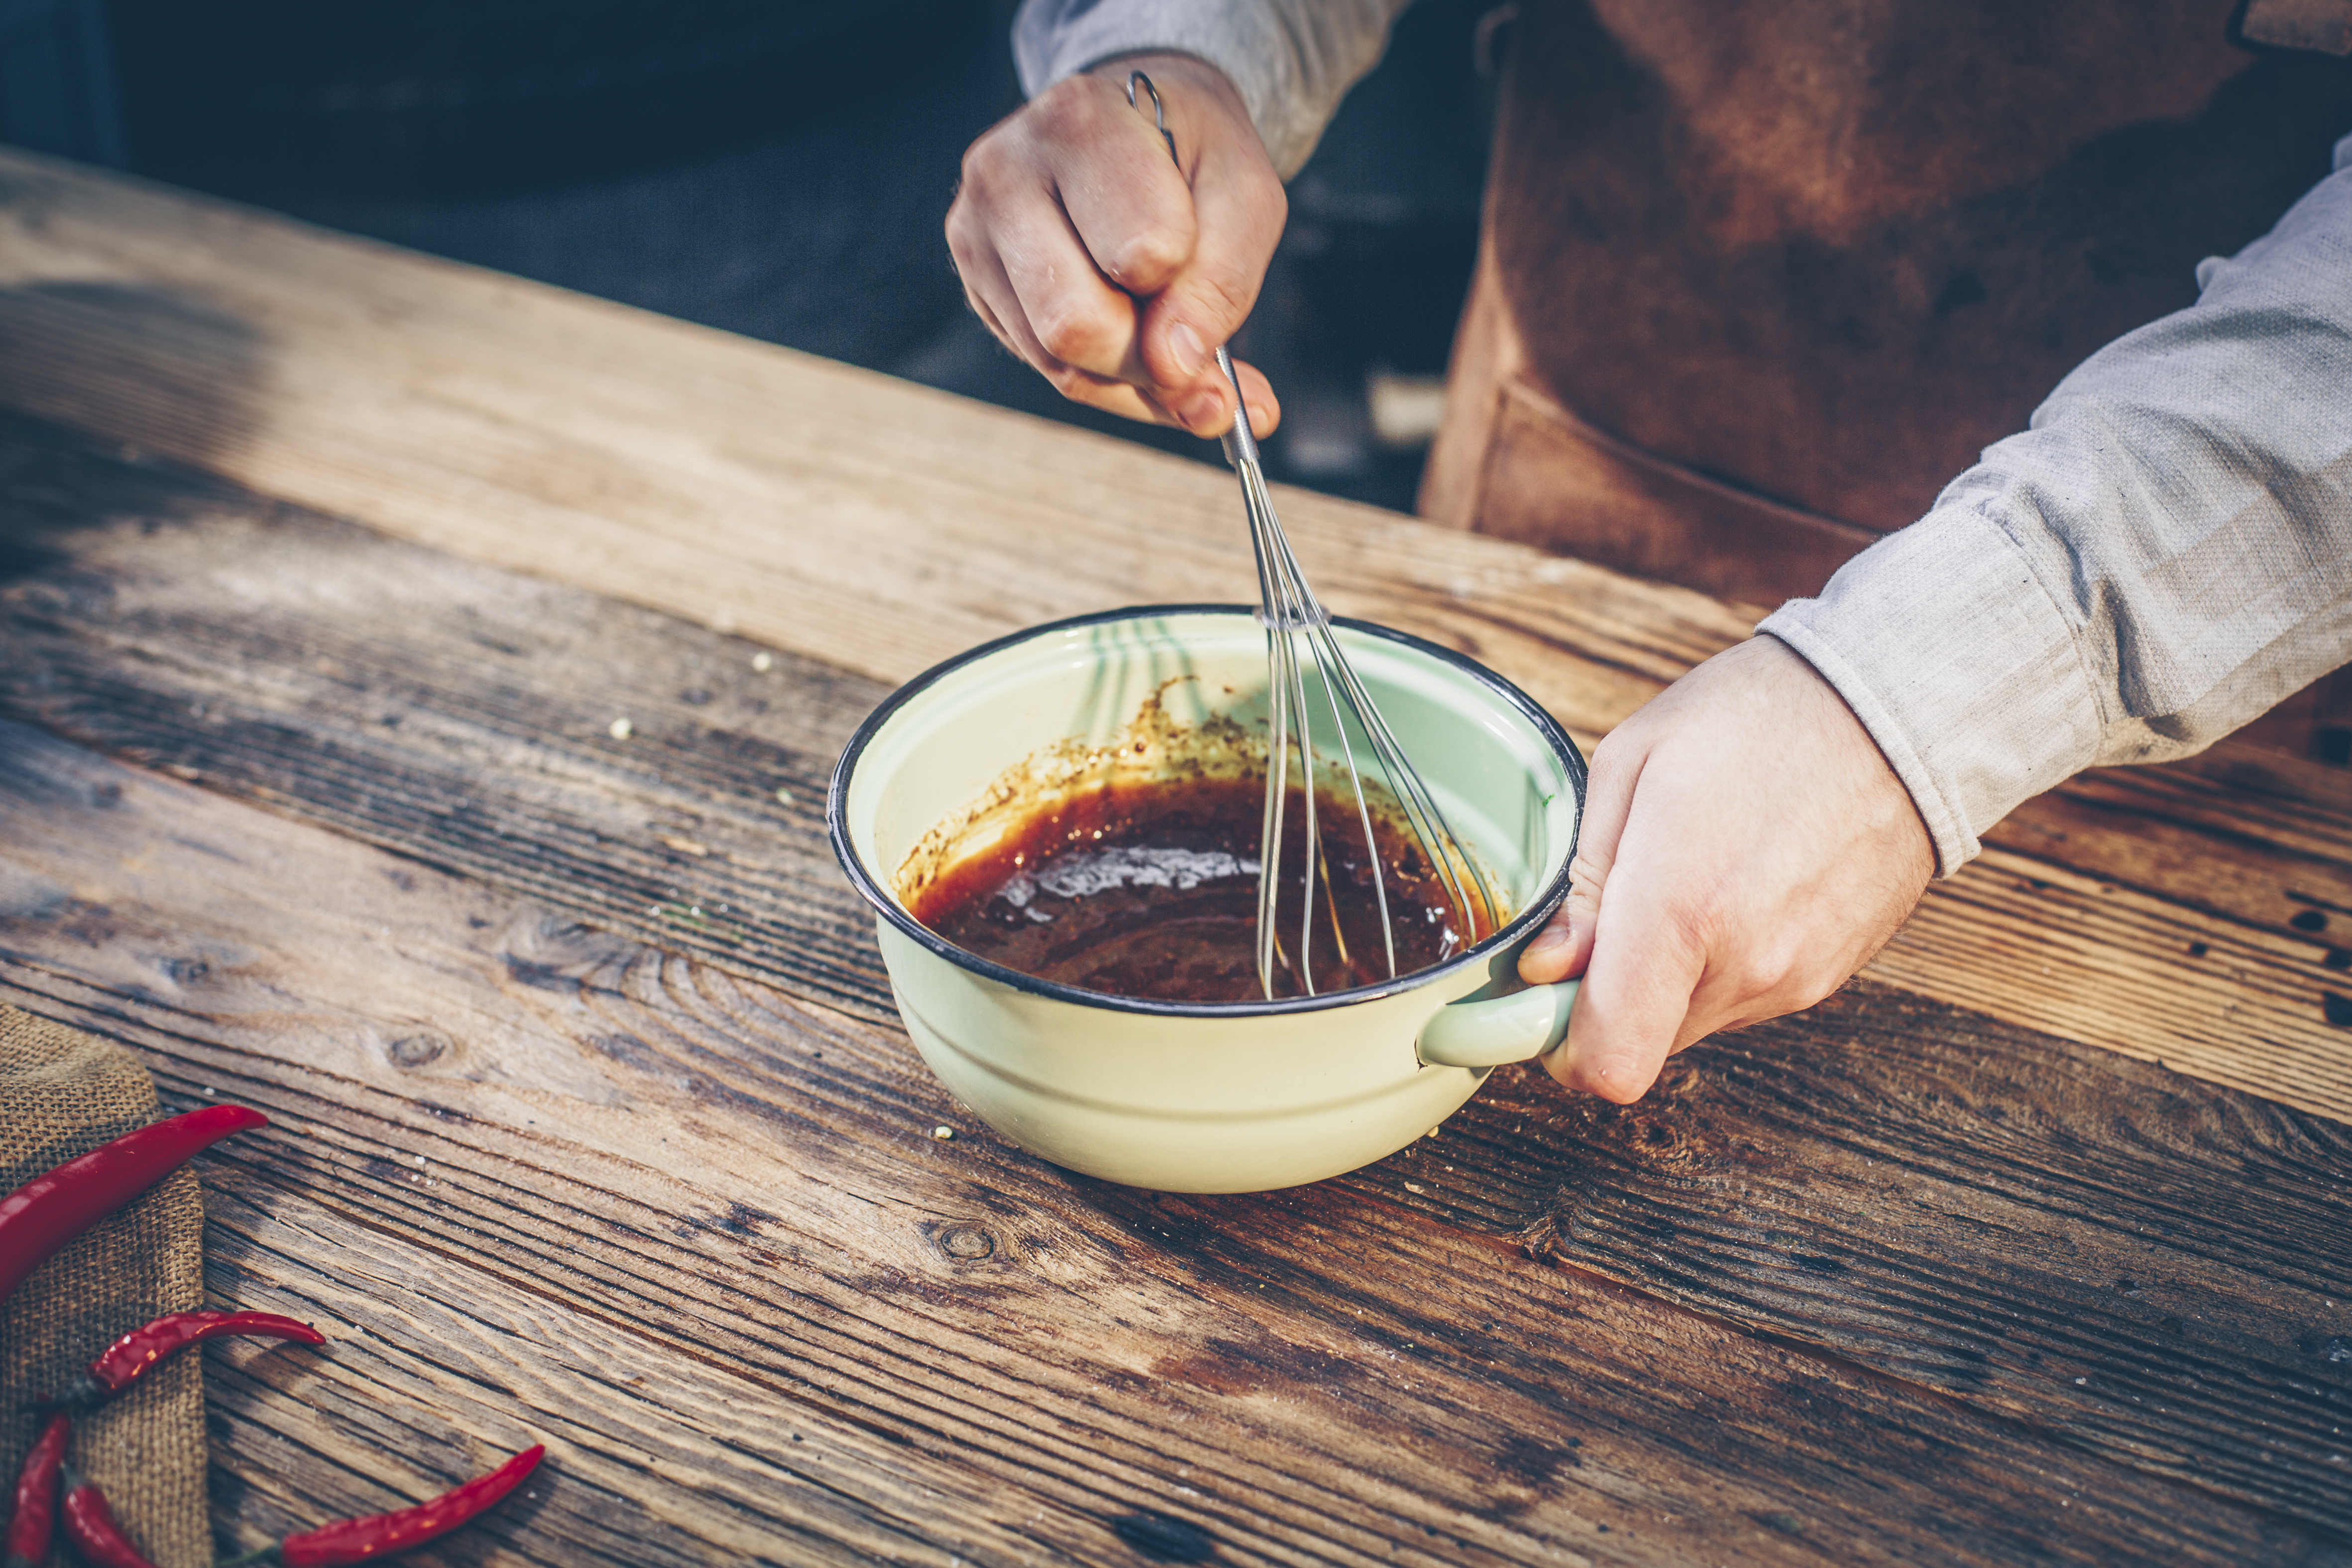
x,y
1291,615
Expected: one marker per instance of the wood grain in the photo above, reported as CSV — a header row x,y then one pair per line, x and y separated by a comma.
x,y
460,715
2261,837
634,1166
2154,1269
870,523
2095,961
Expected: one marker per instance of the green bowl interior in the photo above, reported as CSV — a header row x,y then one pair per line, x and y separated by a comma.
x,y
1498,776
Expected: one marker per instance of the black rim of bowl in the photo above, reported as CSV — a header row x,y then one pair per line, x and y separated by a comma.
x,y
1538,909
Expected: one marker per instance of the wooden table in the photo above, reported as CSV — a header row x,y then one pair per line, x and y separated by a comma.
x,y
328,571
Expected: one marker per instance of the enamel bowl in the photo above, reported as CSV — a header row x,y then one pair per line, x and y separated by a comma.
x,y
1201,1098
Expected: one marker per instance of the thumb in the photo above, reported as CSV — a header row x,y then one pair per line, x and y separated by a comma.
x,y
1641,964
1563,948
1209,413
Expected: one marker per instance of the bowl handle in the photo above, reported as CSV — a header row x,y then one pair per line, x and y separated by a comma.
x,y
1497,1029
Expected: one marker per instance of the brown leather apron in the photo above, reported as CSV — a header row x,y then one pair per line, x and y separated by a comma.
x,y
1757,278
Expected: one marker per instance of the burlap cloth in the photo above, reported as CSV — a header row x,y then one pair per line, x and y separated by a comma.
x,y
63,1093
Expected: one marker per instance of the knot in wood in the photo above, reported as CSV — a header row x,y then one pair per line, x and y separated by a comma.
x,y
1661,1143
967,1242
415,1050
1166,1539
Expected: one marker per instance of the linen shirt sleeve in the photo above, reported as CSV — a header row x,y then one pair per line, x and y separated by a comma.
x,y
2163,554
1292,60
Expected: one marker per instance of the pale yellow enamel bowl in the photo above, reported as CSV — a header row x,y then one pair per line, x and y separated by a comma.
x,y
1209,1097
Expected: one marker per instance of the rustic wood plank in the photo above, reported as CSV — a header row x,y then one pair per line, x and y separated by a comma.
x,y
873,524
2155,1269
2071,953
460,715
426,1354
640,1161
2240,830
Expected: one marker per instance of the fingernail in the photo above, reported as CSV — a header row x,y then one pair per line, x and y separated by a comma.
x,y
1550,939
1202,409
1185,345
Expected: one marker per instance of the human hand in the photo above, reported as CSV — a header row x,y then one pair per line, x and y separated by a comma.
x,y
1115,273
1745,850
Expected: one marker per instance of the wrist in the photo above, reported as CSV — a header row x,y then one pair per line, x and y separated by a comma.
x,y
1961,667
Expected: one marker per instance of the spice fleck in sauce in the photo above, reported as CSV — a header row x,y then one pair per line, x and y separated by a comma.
x,y
1151,890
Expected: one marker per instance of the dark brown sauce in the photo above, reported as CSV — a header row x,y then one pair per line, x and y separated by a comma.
x,y
1151,891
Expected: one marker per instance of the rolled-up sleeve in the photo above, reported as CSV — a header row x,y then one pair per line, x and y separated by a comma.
x,y
2162,555
1292,60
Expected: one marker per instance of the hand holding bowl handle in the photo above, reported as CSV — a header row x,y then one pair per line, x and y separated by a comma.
x,y
1745,850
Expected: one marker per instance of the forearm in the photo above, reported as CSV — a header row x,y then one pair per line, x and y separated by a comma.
x,y
2164,554
1292,60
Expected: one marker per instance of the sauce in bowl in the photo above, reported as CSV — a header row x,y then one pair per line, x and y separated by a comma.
x,y
1149,890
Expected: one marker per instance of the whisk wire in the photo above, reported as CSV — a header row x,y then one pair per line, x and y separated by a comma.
x,y
1311,824
1278,761
1289,611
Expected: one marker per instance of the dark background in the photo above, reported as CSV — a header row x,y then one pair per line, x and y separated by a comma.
x,y
779,168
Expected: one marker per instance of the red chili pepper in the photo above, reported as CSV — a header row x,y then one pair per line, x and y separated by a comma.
x,y
125,1361
54,1207
90,1525
382,1534
36,1517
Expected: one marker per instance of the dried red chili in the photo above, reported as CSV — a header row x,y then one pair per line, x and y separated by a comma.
x,y
54,1207
382,1534
125,1361
90,1525
35,1516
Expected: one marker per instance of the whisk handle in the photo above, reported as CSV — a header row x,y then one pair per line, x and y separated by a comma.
x,y
1241,447
1497,1029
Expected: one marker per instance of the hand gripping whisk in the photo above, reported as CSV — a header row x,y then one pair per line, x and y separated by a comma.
x,y
1293,619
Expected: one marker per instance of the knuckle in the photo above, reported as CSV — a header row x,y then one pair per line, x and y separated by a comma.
x,y
982,167
1687,929
1270,205
1068,380
1611,1077
1151,254
1068,111
963,241
1076,336
1227,291
1585,875
1614,746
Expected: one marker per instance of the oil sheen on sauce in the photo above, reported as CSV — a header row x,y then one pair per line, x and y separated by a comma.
x,y
1151,890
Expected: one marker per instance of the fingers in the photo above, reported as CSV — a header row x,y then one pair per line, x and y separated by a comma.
x,y
1131,205
1206,411
1265,412
1030,277
1565,946
1239,209
1640,960
1107,217
992,300
1097,259
1630,1014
